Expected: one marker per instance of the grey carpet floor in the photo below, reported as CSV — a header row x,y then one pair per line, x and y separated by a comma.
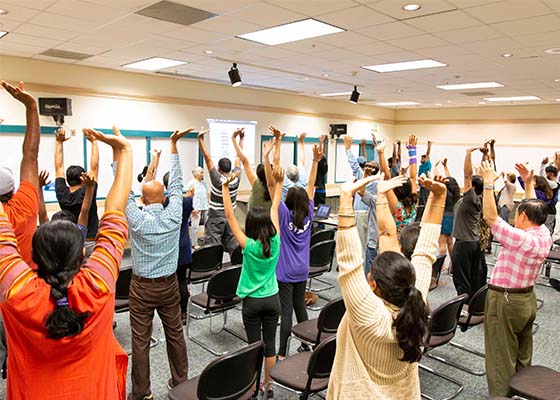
x,y
546,345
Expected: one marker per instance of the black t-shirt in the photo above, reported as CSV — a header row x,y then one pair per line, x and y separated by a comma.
x,y
322,170
72,201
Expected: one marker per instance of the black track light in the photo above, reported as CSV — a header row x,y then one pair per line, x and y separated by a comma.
x,y
354,96
234,76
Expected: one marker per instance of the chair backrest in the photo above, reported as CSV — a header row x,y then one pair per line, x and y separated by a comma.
x,y
237,256
444,319
230,376
322,254
321,361
329,317
223,283
207,258
437,266
122,286
478,301
322,235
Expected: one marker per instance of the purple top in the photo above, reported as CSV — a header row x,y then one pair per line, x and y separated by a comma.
x,y
293,263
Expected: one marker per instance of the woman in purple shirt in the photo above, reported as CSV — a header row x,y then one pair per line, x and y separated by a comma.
x,y
296,222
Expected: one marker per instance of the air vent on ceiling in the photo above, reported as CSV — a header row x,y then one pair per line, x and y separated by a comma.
x,y
176,13
476,94
69,55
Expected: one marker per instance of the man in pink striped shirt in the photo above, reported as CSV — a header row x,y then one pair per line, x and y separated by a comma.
x,y
511,303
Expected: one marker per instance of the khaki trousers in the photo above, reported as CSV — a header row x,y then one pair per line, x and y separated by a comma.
x,y
145,297
508,337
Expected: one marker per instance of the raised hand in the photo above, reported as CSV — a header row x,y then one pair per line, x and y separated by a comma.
x,y
347,139
317,152
383,186
238,132
323,138
544,161
278,174
412,141
89,137
44,178
155,152
60,135
268,146
116,141
276,132
87,179
524,172
486,170
435,185
373,138
483,150
444,162
350,188
369,171
301,137
381,146
230,179
471,149
18,92
175,136
202,132
363,142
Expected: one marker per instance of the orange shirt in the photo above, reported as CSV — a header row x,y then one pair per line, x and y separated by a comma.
x,y
90,365
22,210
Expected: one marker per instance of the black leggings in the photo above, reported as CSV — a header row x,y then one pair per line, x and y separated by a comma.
x,y
469,267
183,288
260,315
292,298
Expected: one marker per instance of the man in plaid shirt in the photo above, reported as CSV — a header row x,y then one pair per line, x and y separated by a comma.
x,y
511,303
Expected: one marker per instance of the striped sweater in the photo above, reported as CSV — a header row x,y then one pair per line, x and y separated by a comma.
x,y
366,364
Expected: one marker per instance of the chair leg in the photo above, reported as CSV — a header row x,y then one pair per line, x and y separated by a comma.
x,y
455,365
459,385
233,333
153,342
535,327
468,349
328,286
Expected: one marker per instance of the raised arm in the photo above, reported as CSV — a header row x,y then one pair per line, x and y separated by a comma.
x,y
29,167
278,143
445,169
436,170
428,150
491,144
324,140
468,169
317,154
89,183
489,176
230,214
388,239
278,174
383,166
60,137
251,176
94,161
526,176
433,213
43,181
237,161
363,148
413,162
151,173
270,182
204,150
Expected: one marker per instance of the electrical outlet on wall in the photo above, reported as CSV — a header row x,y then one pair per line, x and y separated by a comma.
x,y
72,132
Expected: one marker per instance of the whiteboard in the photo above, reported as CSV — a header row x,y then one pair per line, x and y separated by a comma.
x,y
106,158
220,139
188,155
343,172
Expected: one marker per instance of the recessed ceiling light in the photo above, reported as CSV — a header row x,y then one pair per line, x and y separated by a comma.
x,y
208,52
555,50
398,103
294,31
335,94
512,98
478,85
3,12
405,66
411,7
438,104
481,102
507,55
154,64
557,99
557,80
3,33
325,75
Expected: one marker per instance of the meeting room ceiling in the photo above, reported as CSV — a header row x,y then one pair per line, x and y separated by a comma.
x,y
470,36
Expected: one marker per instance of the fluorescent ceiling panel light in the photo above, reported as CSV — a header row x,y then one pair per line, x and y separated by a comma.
x,y
553,51
405,66
3,33
398,103
335,94
294,31
154,63
463,86
513,98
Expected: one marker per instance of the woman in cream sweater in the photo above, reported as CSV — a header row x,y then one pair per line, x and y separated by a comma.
x,y
379,339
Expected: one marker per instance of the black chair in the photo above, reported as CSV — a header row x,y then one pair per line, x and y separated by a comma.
x,y
536,382
443,324
219,298
320,262
552,259
321,236
313,331
436,271
236,257
122,292
229,377
305,373
205,261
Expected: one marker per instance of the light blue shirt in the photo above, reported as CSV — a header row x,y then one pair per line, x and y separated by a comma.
x,y
154,230
358,173
200,199
301,182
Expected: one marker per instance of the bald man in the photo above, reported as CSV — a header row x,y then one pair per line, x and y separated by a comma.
x,y
154,234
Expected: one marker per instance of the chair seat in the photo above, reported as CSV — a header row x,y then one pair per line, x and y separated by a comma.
x,y
475,319
306,330
553,256
197,277
121,305
436,341
188,391
292,373
316,271
537,382
202,299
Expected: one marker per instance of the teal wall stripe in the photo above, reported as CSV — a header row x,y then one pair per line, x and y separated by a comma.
x,y
148,150
45,130
143,133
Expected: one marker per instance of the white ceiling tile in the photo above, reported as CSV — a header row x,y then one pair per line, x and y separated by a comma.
x,y
393,30
267,15
553,4
394,8
345,39
128,5
81,10
69,23
539,39
417,42
306,46
31,50
218,6
444,54
82,48
18,38
146,24
112,38
237,44
468,35
8,25
16,13
43,31
399,56
529,25
373,48
355,18
334,54
227,25
196,35
272,52
516,9
494,47
313,8
36,4
443,22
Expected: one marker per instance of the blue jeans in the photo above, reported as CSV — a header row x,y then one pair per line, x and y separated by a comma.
x,y
371,253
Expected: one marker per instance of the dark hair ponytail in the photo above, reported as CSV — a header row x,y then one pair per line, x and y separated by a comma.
x,y
58,253
297,201
259,226
412,325
262,178
396,279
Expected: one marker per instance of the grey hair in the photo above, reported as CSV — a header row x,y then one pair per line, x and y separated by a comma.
x,y
197,170
292,172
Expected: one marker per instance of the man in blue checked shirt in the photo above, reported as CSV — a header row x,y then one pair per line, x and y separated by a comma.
x,y
154,234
